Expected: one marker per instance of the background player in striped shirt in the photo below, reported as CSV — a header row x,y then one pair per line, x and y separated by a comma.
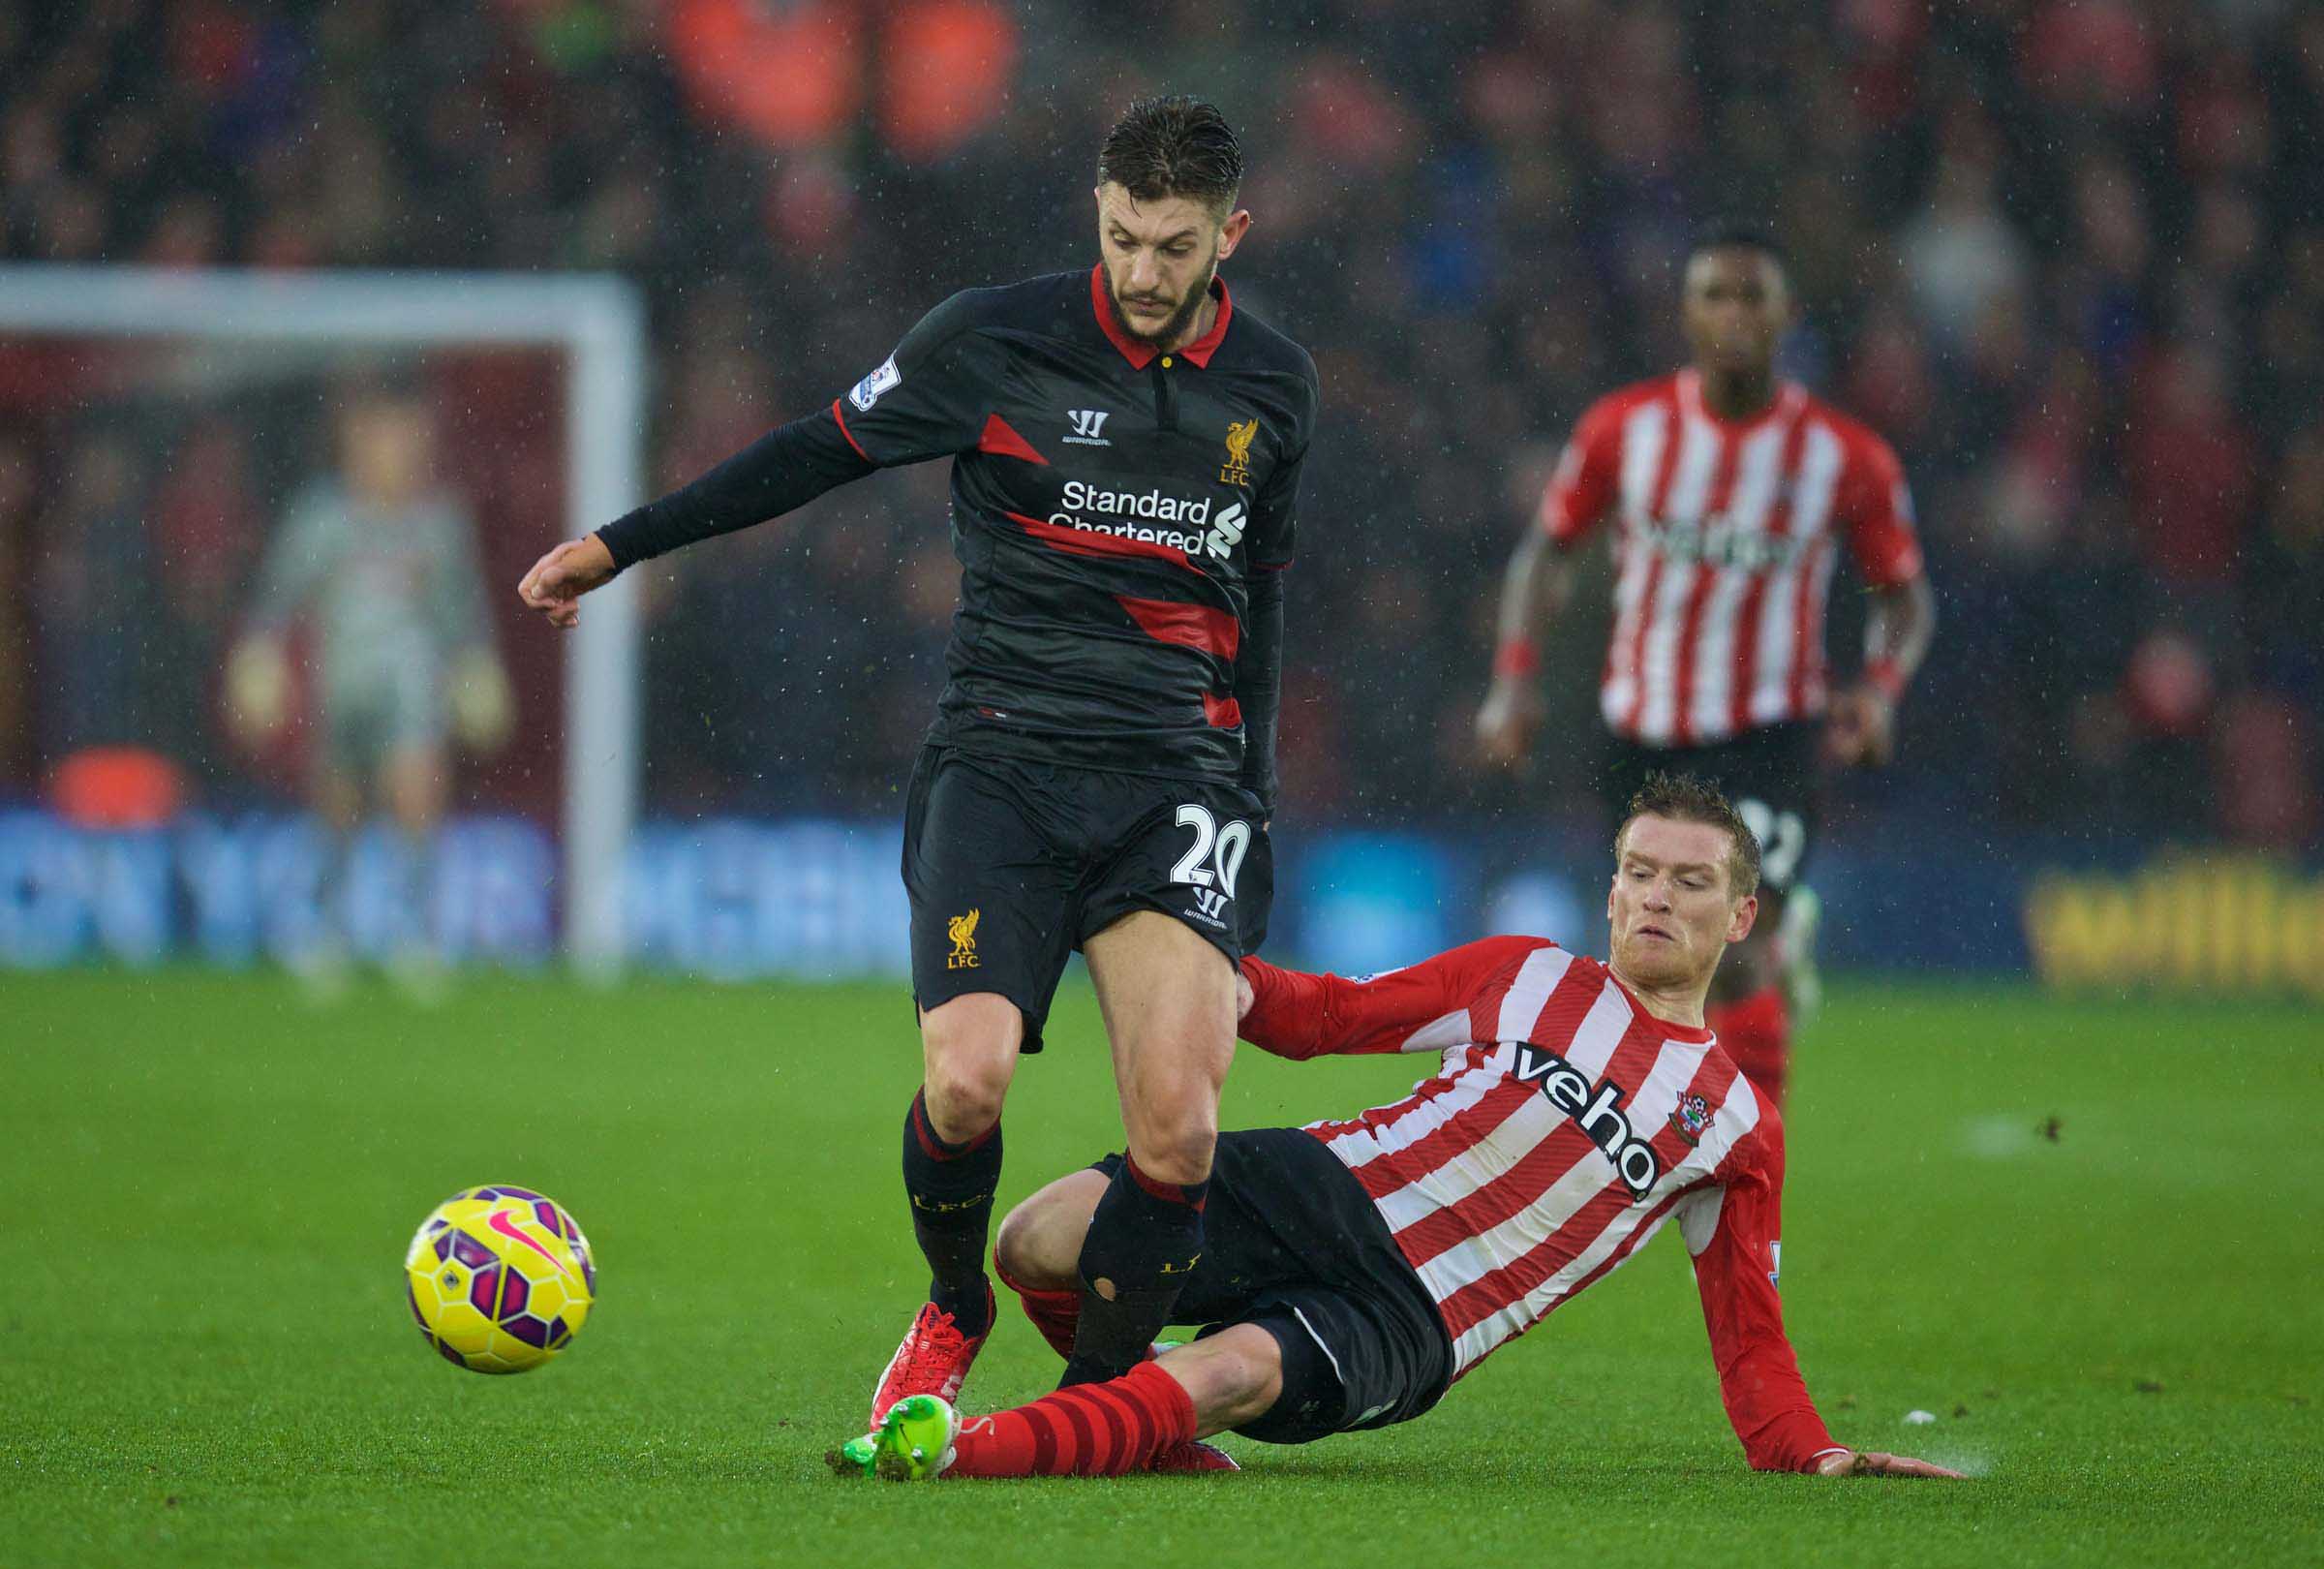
x,y
1730,494
1356,1269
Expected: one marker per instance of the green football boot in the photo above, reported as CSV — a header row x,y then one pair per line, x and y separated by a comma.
x,y
914,1444
854,1458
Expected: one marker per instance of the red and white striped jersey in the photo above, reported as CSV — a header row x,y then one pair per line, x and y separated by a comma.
x,y
1564,1127
1729,533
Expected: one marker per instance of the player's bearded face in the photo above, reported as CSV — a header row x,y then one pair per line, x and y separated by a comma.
x,y
1160,258
1672,910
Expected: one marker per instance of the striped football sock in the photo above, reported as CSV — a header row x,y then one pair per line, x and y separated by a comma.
x,y
1089,1429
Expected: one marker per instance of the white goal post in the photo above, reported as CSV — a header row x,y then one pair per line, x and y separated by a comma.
x,y
598,321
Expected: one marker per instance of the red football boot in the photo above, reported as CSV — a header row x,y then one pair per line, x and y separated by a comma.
x,y
933,1359
1193,1456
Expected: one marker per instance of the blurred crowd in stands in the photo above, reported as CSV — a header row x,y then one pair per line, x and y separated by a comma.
x,y
2067,255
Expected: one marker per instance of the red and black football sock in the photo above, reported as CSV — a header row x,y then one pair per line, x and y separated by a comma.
x,y
1755,1032
1056,1315
1143,1243
951,1187
1108,1429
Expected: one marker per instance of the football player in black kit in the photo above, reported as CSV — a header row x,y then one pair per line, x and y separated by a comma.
x,y
1126,448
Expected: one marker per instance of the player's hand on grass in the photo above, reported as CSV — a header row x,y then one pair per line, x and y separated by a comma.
x,y
258,687
1863,733
559,580
1505,724
1866,1462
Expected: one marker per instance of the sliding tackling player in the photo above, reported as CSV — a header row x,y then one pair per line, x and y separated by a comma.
x,y
1356,1269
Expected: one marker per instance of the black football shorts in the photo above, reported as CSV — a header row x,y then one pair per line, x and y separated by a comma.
x,y
1292,1244
1011,865
1768,773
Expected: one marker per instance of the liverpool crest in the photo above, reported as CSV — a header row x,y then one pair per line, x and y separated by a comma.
x,y
1236,470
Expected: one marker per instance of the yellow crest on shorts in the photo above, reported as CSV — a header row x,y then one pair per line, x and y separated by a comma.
x,y
962,929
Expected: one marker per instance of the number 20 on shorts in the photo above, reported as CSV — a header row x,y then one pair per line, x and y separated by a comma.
x,y
1221,844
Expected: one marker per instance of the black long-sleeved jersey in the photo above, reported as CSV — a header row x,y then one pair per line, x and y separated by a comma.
x,y
1120,514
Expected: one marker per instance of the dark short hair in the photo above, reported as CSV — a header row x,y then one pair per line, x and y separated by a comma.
x,y
1686,798
1175,146
1737,234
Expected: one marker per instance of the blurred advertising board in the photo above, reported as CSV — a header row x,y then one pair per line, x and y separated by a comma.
x,y
812,898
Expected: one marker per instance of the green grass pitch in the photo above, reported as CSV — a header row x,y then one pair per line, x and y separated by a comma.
x,y
205,1190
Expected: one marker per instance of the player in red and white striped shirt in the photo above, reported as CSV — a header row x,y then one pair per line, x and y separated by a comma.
x,y
1731,495
1355,1269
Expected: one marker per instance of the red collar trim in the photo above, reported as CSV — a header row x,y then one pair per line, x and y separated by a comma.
x,y
1142,354
1203,347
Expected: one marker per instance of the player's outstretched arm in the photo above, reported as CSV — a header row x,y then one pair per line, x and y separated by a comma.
x,y
1730,1229
1292,1013
557,581
928,400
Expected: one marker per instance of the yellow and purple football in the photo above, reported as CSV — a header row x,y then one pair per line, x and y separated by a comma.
x,y
500,1278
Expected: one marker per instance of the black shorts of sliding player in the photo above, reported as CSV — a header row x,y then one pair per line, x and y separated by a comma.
x,y
1292,1244
1011,865
1768,773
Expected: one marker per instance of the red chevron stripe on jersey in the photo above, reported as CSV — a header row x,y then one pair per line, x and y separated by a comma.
x,y
1727,537
1000,438
1196,625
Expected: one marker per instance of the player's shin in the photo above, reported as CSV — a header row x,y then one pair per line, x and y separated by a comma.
x,y
950,1186
1108,1429
1143,1243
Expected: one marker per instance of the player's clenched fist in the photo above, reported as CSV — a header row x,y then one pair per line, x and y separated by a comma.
x,y
559,580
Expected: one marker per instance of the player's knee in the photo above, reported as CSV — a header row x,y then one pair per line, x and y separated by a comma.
x,y
1177,1149
1233,1377
1039,1245
1013,1244
1253,1376
1027,1250
963,1097
969,1050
